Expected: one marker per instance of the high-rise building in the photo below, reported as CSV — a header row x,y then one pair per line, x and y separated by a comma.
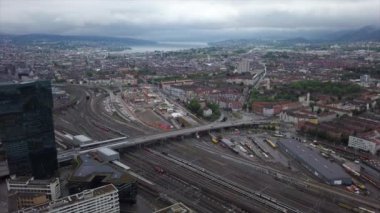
x,y
26,128
244,66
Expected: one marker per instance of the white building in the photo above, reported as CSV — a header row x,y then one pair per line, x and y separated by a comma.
x,y
28,185
81,139
304,100
244,66
108,154
99,200
207,112
367,142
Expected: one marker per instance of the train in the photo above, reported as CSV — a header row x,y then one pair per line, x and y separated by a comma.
x,y
230,145
278,135
159,169
214,139
273,145
355,209
350,170
359,184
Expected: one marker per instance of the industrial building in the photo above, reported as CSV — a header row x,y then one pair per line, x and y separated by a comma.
x,y
327,171
99,200
26,128
94,169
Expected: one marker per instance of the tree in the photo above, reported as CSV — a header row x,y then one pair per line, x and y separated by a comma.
x,y
319,111
215,109
194,106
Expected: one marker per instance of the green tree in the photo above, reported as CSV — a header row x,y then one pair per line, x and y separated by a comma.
x,y
215,109
194,106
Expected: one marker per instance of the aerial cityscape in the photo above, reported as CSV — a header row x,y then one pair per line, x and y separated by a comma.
x,y
189,106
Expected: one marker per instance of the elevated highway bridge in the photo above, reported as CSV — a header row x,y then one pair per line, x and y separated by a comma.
x,y
123,142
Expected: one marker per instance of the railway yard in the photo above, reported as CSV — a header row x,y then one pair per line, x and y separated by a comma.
x,y
231,170
91,118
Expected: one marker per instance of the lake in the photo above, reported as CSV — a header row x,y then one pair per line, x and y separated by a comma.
x,y
165,46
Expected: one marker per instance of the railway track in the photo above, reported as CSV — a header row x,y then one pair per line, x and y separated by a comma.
x,y
255,195
175,187
241,200
309,185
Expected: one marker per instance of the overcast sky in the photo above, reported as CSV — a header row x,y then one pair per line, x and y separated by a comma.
x,y
184,20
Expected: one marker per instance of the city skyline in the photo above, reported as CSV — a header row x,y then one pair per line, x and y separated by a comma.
x,y
172,20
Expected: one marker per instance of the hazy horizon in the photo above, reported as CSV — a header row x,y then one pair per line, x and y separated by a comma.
x,y
173,20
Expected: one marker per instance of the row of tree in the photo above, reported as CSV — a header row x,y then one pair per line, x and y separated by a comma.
x,y
195,107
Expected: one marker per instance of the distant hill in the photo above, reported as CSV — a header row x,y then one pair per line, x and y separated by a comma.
x,y
64,38
239,42
296,40
367,33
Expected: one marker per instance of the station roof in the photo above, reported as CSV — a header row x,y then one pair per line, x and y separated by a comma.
x,y
90,167
323,166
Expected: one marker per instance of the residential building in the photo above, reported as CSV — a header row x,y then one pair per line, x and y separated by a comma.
x,y
176,83
99,200
365,80
369,141
299,116
273,108
295,117
338,111
26,128
175,92
244,66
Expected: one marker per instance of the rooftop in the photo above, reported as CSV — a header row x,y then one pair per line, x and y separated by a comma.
x,y
82,138
85,195
107,151
177,207
373,136
323,166
91,166
31,180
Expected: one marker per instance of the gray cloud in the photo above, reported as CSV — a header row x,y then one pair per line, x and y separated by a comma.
x,y
183,20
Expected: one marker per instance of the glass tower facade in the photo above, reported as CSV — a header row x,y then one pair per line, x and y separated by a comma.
x,y
27,130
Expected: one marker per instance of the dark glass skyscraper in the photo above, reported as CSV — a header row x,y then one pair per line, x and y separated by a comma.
x,y
26,128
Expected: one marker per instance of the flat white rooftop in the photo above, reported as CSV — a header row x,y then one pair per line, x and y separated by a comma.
x,y
107,151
